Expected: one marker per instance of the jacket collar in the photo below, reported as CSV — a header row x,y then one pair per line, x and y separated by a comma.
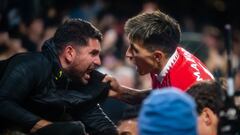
x,y
50,51
172,60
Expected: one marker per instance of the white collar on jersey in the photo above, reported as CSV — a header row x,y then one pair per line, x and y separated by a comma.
x,y
172,60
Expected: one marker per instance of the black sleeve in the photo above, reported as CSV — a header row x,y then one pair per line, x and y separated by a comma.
x,y
15,86
95,121
62,128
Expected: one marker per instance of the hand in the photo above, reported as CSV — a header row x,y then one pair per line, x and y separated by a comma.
x,y
40,124
115,86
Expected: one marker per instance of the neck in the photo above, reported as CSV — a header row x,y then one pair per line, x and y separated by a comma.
x,y
160,65
164,63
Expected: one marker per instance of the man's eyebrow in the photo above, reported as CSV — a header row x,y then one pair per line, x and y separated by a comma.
x,y
95,51
133,47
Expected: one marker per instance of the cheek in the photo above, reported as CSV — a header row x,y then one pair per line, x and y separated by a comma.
x,y
83,65
201,127
144,63
80,64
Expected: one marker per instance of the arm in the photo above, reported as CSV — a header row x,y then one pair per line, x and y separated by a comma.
x,y
95,120
15,86
130,95
126,94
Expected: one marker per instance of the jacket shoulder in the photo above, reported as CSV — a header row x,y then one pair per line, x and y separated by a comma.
x,y
30,61
30,57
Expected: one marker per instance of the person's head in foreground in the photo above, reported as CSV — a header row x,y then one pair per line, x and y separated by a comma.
x,y
168,111
153,39
128,123
207,95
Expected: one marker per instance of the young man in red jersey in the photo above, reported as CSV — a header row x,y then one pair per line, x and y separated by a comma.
x,y
154,48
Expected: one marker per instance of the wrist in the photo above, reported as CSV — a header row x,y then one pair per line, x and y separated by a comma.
x,y
121,89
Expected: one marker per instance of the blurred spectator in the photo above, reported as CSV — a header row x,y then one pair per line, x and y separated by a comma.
x,y
236,50
191,41
4,38
237,79
87,10
13,45
112,28
51,24
48,33
108,25
149,6
168,111
217,59
32,36
209,102
188,24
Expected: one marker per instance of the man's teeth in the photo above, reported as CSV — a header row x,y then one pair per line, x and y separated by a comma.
x,y
87,75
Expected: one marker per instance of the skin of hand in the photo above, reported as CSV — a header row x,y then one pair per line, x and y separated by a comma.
x,y
115,86
125,94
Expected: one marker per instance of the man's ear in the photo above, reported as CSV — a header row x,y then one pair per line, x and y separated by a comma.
x,y
208,116
158,55
69,53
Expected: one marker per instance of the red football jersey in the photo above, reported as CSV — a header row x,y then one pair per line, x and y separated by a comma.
x,y
182,70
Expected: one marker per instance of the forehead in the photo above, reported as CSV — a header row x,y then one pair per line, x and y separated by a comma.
x,y
138,47
92,44
128,126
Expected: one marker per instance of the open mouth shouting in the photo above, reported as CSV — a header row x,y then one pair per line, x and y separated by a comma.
x,y
86,76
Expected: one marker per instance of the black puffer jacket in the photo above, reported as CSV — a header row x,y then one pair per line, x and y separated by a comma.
x,y
32,88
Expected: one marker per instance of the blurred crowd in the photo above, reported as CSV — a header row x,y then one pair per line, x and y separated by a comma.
x,y
24,27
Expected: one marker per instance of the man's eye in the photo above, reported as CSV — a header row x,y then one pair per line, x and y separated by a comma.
x,y
94,53
133,49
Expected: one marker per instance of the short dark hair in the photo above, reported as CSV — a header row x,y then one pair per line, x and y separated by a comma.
x,y
131,112
208,94
155,30
77,31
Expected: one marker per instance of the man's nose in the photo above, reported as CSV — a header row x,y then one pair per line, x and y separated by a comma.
x,y
97,61
129,54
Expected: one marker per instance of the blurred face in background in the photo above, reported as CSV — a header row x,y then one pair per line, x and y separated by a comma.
x,y
4,37
37,26
128,127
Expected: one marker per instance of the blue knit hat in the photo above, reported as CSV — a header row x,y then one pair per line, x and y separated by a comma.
x,y
168,111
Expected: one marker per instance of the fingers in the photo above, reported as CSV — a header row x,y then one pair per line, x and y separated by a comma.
x,y
107,78
112,93
113,82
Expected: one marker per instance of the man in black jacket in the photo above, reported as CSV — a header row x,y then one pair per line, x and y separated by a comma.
x,y
57,91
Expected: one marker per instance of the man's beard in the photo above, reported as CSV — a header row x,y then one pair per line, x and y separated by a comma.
x,y
80,77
